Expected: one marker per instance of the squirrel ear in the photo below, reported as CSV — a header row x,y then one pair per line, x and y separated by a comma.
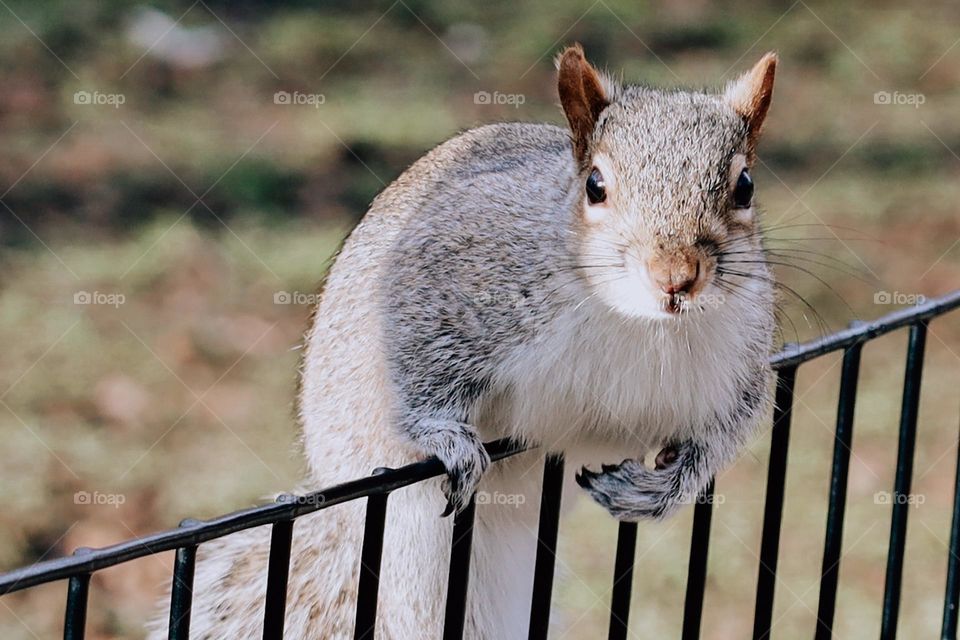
x,y
582,96
750,94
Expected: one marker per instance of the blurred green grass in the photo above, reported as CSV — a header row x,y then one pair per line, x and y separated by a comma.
x,y
97,398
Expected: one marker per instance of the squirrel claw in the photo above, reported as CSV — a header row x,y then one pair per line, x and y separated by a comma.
x,y
584,477
448,510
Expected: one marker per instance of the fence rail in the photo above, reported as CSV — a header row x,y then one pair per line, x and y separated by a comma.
x,y
377,487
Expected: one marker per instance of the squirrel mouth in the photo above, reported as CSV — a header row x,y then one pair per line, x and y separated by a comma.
x,y
674,303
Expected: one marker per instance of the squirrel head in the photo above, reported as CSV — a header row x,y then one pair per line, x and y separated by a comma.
x,y
664,182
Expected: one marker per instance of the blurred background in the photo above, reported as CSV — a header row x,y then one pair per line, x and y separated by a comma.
x,y
175,177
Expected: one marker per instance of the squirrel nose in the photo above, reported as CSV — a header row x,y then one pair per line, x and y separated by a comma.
x,y
672,288
677,278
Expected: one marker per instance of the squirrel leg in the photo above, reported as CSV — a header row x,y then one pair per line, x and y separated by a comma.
x,y
631,490
459,447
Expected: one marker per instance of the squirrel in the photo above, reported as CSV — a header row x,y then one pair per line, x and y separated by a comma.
x,y
598,290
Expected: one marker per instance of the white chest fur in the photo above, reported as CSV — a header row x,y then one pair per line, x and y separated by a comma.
x,y
596,377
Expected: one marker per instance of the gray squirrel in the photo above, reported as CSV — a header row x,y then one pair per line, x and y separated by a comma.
x,y
598,290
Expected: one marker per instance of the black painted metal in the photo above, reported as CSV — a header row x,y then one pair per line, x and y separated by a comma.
x,y
459,577
842,446
370,557
547,530
901,486
773,507
951,599
622,581
181,593
75,619
697,566
278,570
376,488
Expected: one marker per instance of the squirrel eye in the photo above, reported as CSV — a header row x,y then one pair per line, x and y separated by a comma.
x,y
743,192
596,188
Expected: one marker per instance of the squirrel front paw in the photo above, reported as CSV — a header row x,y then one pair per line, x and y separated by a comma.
x,y
631,490
459,447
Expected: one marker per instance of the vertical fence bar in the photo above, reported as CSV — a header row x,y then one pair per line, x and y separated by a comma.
x,y
773,507
622,580
181,593
75,616
950,599
75,621
546,547
459,576
697,567
901,487
833,540
370,557
278,571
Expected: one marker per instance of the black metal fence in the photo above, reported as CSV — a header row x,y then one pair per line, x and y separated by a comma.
x,y
78,568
